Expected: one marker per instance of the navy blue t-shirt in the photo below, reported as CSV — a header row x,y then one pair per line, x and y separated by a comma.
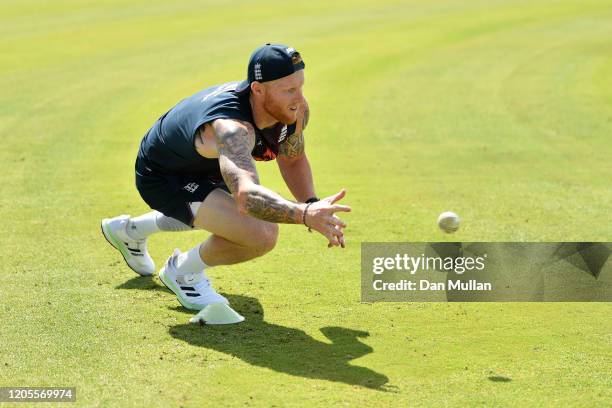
x,y
168,147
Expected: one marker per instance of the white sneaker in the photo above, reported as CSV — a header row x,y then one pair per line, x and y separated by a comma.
x,y
192,290
134,251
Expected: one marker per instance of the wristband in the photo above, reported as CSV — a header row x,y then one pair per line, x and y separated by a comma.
x,y
312,200
304,216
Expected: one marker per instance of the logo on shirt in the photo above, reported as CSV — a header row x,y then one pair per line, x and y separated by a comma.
x,y
283,134
191,187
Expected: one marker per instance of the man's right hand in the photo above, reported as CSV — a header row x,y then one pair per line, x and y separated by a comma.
x,y
321,218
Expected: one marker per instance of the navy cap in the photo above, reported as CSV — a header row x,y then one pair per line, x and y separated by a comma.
x,y
270,62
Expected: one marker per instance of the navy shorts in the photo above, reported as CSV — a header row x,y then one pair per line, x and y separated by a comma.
x,y
172,195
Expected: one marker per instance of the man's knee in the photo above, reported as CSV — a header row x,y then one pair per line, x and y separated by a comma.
x,y
266,238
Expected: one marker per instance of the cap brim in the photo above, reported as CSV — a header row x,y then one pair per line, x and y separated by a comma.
x,y
243,86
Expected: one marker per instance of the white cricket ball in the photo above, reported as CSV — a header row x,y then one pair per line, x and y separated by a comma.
x,y
448,221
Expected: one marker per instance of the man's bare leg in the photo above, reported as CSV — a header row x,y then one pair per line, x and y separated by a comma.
x,y
236,237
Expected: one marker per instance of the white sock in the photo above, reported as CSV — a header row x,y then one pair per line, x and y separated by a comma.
x,y
190,262
143,226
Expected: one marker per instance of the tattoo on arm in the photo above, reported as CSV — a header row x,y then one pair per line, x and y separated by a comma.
x,y
239,173
269,206
235,161
294,146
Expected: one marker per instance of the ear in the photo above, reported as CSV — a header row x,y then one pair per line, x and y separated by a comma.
x,y
257,88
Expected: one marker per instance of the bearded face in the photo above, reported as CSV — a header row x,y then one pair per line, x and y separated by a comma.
x,y
283,97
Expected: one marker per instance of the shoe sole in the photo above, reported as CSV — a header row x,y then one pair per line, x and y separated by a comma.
x,y
173,289
113,242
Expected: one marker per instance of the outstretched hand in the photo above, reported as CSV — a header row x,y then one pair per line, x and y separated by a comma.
x,y
321,218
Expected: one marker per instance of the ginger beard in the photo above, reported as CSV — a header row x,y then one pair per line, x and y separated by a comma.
x,y
281,104
280,108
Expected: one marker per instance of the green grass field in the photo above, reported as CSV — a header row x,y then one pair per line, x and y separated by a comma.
x,y
498,110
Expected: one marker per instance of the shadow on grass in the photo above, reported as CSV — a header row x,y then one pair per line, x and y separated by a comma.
x,y
499,378
285,349
143,283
